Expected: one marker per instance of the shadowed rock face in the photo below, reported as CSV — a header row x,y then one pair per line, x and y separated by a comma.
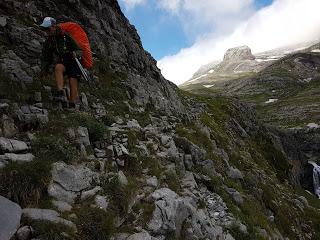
x,y
114,41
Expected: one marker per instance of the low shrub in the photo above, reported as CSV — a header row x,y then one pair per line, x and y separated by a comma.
x,y
94,224
25,183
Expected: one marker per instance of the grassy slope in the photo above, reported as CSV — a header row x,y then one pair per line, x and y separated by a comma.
x,y
265,171
298,102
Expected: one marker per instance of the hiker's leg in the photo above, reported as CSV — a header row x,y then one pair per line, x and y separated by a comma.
x,y
58,73
73,90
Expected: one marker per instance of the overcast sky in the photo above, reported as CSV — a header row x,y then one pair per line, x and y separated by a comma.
x,y
186,34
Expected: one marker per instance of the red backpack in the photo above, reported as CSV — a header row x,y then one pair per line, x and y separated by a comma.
x,y
81,38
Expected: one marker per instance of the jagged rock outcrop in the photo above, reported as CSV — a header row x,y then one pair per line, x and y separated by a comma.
x,y
114,41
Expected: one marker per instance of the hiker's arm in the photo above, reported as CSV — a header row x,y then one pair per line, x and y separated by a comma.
x,y
46,57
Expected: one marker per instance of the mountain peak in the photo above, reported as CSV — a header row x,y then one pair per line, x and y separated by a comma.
x,y
238,54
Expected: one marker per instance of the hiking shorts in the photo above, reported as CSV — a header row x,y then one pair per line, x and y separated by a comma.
x,y
72,69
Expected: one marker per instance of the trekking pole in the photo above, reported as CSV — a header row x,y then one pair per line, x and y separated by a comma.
x,y
84,74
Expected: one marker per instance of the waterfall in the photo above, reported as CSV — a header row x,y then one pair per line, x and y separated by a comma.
x,y
316,178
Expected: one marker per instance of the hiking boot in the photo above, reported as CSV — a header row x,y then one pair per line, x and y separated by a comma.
x,y
61,99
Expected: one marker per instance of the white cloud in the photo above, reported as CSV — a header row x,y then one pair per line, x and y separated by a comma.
x,y
210,14
172,6
130,4
283,23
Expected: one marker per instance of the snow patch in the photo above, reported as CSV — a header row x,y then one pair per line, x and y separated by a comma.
x,y
271,100
202,76
264,60
211,71
208,86
316,51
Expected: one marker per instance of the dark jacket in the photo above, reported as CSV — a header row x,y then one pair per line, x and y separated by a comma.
x,y
56,47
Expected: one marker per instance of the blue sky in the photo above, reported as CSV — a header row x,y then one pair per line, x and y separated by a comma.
x,y
183,35
161,33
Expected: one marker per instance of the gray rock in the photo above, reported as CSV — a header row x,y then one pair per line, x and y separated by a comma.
x,y
122,178
188,161
141,236
7,127
263,233
20,158
165,140
42,118
73,178
120,162
90,193
84,101
12,146
15,67
62,206
47,215
9,218
37,97
119,120
188,181
58,192
71,134
101,202
82,136
228,237
235,195
121,236
3,21
100,153
133,124
170,212
24,233
235,173
152,181
121,150
83,153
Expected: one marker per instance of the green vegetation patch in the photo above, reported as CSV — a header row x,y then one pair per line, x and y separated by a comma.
x,y
94,224
119,195
25,183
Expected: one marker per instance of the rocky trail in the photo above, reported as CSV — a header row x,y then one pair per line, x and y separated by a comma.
x,y
140,159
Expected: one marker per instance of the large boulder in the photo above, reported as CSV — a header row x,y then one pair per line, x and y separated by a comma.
x,y
170,212
70,181
10,215
12,145
46,215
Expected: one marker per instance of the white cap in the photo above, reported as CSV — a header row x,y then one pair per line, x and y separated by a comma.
x,y
48,22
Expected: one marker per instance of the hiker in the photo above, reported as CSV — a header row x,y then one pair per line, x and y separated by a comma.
x,y
61,49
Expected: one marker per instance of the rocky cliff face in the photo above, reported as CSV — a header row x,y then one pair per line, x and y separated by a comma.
x,y
114,41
